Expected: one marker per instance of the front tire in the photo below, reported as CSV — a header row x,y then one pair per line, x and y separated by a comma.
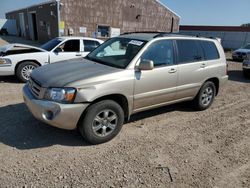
x,y
24,70
101,122
205,97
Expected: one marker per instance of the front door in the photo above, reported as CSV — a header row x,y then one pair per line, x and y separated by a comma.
x,y
65,51
158,86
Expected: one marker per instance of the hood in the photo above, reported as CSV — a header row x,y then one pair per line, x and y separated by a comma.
x,y
63,73
242,50
8,47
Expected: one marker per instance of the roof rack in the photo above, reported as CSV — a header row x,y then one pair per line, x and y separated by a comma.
x,y
162,34
215,38
158,33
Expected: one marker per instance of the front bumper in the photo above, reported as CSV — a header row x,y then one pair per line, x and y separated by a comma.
x,y
63,116
6,70
246,65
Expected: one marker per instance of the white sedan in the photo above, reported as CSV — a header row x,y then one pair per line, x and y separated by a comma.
x,y
20,60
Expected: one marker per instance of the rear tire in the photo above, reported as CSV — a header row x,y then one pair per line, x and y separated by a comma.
x,y
205,97
246,74
24,70
101,122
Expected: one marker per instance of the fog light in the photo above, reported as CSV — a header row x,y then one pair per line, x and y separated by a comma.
x,y
48,115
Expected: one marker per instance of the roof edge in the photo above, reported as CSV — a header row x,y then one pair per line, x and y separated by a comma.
x,y
39,4
165,6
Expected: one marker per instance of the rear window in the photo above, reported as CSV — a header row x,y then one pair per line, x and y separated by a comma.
x,y
189,51
210,50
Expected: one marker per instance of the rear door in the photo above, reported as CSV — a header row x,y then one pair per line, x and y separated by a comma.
x,y
69,49
191,68
89,46
157,86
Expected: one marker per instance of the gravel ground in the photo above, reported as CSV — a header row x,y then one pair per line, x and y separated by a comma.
x,y
172,146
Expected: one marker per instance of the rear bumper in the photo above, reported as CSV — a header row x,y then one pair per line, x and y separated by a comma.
x,y
223,80
63,116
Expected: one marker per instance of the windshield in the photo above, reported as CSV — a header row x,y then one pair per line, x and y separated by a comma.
x,y
51,44
5,47
247,47
116,52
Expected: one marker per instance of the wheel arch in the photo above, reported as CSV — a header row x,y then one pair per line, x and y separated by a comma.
x,y
27,60
118,98
216,82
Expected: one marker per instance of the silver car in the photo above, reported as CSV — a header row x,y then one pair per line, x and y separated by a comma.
x,y
241,54
126,75
246,66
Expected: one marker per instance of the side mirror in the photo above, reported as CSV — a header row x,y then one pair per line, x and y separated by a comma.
x,y
57,50
146,64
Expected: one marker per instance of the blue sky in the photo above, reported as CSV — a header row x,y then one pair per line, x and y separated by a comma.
x,y
192,12
211,12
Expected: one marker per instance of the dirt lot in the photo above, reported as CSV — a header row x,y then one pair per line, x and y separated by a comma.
x,y
167,147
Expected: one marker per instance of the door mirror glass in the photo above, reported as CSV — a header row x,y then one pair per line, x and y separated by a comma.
x,y
146,64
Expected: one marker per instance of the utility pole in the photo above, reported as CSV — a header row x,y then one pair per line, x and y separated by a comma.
x,y
58,17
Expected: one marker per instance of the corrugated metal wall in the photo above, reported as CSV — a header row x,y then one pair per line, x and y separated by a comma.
x,y
230,40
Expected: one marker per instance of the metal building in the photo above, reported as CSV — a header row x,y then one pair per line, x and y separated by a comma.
x,y
232,37
93,18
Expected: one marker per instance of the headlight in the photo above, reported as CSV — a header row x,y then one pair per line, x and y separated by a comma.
x,y
63,95
5,61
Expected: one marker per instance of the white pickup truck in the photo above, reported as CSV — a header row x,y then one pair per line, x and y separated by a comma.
x,y
20,60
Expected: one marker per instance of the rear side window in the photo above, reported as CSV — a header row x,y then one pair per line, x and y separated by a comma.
x,y
210,50
189,51
90,45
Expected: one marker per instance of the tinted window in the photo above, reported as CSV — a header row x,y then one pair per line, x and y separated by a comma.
x,y
189,51
160,52
71,46
90,45
210,50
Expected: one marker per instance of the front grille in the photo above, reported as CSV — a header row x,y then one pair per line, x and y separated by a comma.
x,y
35,88
241,53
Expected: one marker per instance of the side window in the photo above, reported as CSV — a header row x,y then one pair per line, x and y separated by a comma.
x,y
70,46
89,45
160,52
189,51
210,50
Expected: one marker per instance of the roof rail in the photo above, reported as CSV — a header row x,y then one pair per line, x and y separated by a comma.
x,y
215,38
149,32
162,34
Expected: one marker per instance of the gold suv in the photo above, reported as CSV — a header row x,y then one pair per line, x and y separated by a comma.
x,y
125,75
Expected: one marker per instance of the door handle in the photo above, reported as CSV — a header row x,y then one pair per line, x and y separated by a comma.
x,y
78,55
172,71
203,65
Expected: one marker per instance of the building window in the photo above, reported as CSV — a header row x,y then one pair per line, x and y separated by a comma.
x,y
103,31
